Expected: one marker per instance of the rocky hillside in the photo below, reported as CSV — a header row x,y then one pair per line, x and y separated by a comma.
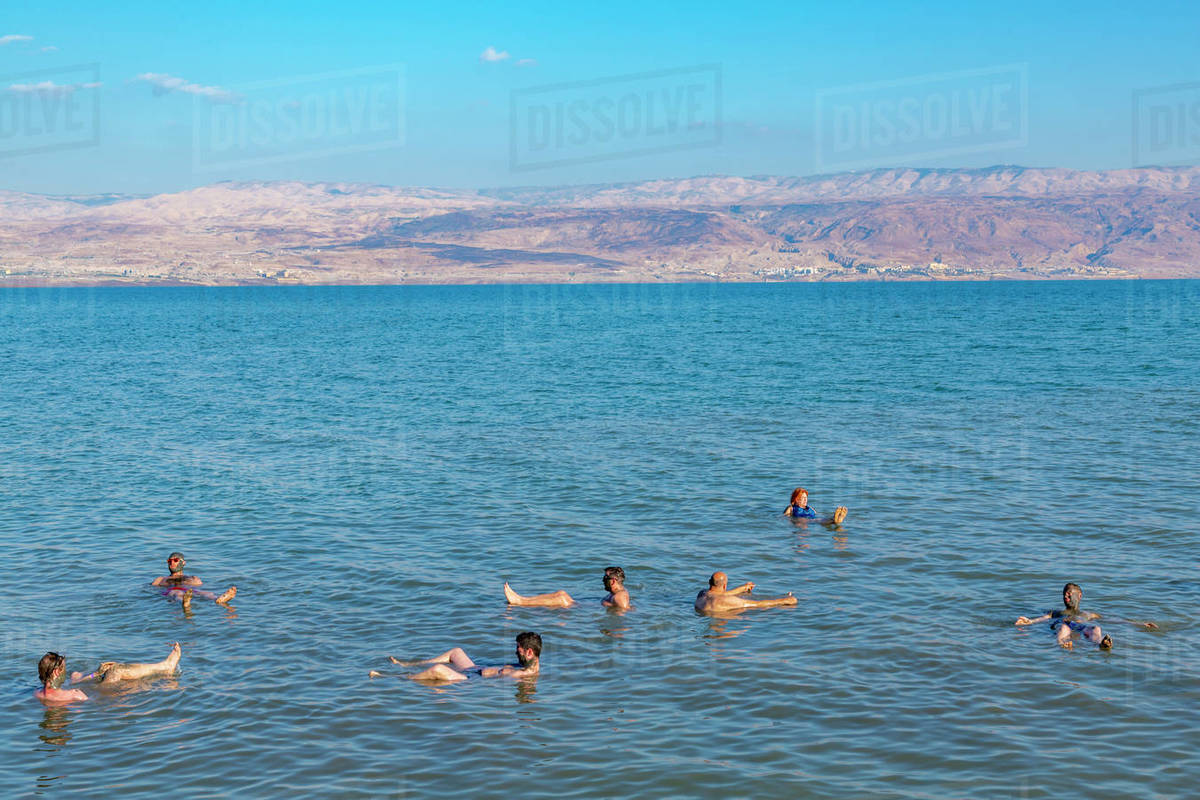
x,y
1001,222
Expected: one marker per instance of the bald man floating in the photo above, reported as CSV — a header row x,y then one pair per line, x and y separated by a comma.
x,y
719,598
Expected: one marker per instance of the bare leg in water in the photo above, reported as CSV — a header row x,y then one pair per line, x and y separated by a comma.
x,y
222,599
1090,632
559,599
110,671
440,671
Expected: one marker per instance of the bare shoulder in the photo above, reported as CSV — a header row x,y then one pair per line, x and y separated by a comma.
x,y
57,696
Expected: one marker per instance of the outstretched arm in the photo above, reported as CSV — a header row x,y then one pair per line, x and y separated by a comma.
x,y
1027,621
745,588
1146,624
787,600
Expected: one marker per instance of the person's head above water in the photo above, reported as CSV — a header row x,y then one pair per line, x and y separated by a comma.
x,y
1072,594
529,647
51,668
612,574
175,562
719,580
799,497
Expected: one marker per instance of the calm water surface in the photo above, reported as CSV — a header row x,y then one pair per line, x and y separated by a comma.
x,y
368,465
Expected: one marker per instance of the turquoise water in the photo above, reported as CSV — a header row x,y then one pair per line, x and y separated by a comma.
x,y
368,465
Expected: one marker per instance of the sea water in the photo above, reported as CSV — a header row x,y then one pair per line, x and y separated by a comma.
x,y
369,465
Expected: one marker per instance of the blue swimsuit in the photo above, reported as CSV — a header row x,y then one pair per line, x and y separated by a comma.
x,y
806,512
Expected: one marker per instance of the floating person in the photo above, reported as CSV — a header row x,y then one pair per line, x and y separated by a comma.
x,y
52,669
1072,595
183,586
719,598
614,584
798,508
453,664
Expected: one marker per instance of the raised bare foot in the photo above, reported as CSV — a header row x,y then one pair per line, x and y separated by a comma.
x,y
186,600
512,597
1067,644
839,514
374,674
172,660
229,594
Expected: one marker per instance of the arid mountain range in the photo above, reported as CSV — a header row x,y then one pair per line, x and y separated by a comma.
x,y
894,224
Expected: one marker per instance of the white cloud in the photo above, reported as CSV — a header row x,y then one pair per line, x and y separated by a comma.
x,y
14,37
164,83
491,54
527,62
50,49
50,87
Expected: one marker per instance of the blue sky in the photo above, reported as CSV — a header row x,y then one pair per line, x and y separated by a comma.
x,y
745,88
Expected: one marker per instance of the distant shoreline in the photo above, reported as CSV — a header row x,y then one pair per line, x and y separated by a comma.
x,y
166,284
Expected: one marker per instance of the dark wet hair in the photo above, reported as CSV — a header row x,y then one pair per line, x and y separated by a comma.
x,y
615,572
49,663
529,640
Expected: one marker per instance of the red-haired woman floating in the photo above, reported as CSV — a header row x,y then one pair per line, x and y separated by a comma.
x,y
798,509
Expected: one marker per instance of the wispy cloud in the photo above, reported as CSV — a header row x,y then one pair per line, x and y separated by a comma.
x,y
527,62
164,83
15,37
490,54
51,88
49,49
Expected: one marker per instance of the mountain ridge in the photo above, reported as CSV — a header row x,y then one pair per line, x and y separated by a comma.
x,y
897,223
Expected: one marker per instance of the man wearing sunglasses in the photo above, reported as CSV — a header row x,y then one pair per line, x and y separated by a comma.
x,y
184,586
